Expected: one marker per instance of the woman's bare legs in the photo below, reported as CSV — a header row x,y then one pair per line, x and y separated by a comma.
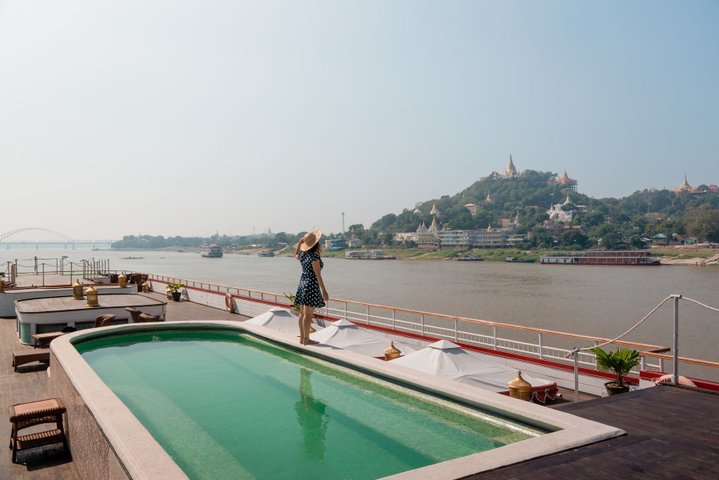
x,y
305,320
300,322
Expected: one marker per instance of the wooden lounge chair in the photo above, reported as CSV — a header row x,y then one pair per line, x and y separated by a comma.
x,y
44,339
134,314
104,320
21,358
146,317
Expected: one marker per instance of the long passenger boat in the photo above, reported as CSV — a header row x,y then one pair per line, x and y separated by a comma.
x,y
601,257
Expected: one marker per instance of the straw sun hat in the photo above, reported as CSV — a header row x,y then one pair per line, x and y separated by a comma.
x,y
310,240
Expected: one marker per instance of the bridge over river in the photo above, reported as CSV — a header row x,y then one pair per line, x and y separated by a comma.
x,y
45,237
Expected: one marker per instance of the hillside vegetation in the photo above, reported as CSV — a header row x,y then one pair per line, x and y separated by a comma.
x,y
608,222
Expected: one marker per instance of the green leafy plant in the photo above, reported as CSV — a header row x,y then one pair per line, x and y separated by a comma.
x,y
291,299
175,287
620,362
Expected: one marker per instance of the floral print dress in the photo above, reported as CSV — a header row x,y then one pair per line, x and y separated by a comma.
x,y
308,291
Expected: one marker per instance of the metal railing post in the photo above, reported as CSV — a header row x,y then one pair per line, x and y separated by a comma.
x,y
675,346
494,338
541,346
575,354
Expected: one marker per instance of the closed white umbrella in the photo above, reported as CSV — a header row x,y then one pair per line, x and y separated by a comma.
x,y
279,319
448,360
348,336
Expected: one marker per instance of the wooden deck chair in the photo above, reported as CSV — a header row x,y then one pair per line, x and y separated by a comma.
x,y
104,320
134,314
146,317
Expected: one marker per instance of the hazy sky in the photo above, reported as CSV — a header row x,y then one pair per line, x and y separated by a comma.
x,y
183,117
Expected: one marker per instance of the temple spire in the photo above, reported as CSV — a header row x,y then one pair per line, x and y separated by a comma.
x,y
511,170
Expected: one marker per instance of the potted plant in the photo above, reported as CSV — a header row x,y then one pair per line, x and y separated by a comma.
x,y
620,362
291,298
174,289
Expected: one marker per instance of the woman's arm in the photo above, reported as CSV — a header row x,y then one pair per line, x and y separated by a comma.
x,y
318,273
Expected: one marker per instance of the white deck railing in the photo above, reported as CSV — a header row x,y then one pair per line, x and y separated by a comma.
x,y
530,342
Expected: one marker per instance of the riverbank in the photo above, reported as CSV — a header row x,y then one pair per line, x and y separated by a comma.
x,y
688,255
669,255
486,254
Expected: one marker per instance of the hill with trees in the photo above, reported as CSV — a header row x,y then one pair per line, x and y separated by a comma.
x,y
526,198
523,200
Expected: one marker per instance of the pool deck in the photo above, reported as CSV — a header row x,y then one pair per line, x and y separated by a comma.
x,y
30,383
672,431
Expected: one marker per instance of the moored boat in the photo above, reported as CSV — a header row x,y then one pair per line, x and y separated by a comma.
x,y
519,260
601,257
469,258
212,251
368,255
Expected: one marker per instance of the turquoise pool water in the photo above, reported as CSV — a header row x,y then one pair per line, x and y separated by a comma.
x,y
227,405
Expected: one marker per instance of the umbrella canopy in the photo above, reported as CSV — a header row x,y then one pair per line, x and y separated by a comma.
x,y
446,359
279,319
346,335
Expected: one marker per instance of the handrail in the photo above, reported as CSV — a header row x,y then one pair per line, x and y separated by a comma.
x,y
490,323
688,360
422,327
391,322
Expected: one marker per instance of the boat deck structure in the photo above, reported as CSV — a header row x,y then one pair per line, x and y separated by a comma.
x,y
30,383
671,431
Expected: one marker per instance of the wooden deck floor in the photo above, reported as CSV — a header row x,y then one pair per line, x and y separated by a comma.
x,y
30,383
672,433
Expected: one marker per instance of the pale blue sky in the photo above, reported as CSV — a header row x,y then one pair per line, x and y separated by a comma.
x,y
185,117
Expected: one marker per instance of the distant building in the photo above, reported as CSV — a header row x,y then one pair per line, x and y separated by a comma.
x,y
684,187
660,239
510,171
472,208
402,237
566,182
561,213
489,238
335,244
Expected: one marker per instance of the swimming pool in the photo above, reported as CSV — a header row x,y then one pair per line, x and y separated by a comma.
x,y
108,441
226,404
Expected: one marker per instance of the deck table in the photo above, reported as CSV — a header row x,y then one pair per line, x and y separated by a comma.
x,y
45,315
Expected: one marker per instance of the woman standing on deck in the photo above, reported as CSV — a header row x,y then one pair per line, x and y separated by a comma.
x,y
311,292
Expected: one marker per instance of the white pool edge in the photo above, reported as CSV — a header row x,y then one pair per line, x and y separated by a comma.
x,y
143,458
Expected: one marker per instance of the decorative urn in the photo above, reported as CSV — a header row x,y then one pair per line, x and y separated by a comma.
x,y
520,388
